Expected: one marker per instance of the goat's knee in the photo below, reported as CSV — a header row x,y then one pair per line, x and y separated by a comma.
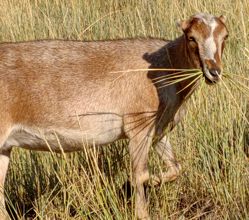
x,y
140,177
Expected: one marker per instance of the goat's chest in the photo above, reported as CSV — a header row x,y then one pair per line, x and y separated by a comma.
x,y
167,110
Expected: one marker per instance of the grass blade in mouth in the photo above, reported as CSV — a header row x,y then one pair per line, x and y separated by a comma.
x,y
194,87
172,82
194,81
169,74
178,76
173,78
155,69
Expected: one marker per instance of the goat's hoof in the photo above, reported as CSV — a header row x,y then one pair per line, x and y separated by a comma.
x,y
154,181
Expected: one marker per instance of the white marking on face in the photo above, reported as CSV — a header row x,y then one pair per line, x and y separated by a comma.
x,y
202,16
209,46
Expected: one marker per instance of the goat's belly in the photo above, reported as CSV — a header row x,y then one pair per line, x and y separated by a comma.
x,y
68,140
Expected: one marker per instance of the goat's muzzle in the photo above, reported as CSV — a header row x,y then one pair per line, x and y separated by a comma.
x,y
212,72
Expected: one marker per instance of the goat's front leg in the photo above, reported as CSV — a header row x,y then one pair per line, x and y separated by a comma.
x,y
164,149
139,148
4,162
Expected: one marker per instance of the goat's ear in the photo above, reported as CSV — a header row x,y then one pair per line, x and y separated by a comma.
x,y
183,24
223,18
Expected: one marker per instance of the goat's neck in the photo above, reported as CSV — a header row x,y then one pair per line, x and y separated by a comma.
x,y
180,56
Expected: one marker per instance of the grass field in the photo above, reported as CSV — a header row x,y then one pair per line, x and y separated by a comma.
x,y
211,143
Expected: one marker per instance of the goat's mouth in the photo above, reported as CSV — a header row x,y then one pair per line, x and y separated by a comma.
x,y
211,76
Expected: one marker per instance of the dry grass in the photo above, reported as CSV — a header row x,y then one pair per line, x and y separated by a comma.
x,y
211,143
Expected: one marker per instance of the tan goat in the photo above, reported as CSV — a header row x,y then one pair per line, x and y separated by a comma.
x,y
74,90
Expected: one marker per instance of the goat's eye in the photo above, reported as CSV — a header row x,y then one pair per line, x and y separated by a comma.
x,y
191,39
225,38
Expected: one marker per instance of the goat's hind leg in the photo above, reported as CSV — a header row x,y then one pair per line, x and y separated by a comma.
x,y
4,163
164,150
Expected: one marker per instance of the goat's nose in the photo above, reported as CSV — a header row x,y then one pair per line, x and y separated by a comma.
x,y
215,72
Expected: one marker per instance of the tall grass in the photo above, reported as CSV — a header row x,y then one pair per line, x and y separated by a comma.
x,y
211,143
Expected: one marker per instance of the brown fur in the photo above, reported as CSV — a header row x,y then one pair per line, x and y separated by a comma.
x,y
72,89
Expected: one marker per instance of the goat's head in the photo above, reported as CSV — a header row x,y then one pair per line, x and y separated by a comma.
x,y
205,39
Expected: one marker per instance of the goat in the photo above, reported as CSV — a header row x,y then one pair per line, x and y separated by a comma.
x,y
69,90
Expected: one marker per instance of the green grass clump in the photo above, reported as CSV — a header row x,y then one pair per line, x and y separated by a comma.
x,y
211,143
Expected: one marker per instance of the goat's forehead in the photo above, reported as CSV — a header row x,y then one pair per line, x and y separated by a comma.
x,y
206,18
206,25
